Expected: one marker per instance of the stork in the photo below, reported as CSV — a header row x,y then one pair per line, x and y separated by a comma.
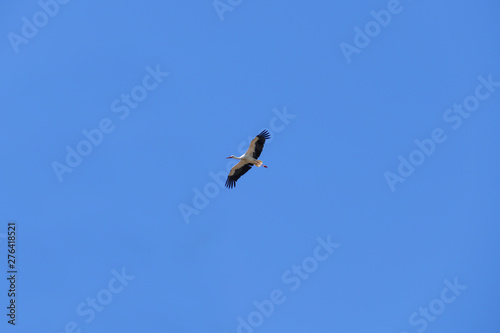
x,y
248,159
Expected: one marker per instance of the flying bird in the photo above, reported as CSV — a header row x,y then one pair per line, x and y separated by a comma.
x,y
248,159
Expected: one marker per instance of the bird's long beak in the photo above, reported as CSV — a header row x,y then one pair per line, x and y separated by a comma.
x,y
228,157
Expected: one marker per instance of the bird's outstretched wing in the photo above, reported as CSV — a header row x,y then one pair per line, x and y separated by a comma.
x,y
236,172
257,144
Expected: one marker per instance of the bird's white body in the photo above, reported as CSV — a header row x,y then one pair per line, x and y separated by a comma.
x,y
248,159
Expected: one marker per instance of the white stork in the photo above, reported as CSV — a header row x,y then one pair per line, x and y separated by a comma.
x,y
248,159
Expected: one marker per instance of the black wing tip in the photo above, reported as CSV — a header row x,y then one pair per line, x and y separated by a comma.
x,y
264,134
230,183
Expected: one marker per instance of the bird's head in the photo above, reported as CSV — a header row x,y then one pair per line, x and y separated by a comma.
x,y
232,156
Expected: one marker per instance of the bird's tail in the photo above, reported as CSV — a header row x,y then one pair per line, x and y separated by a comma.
x,y
259,164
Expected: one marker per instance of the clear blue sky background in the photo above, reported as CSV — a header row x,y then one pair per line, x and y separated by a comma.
x,y
120,208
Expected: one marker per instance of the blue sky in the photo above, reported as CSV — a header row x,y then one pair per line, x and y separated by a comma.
x,y
378,212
